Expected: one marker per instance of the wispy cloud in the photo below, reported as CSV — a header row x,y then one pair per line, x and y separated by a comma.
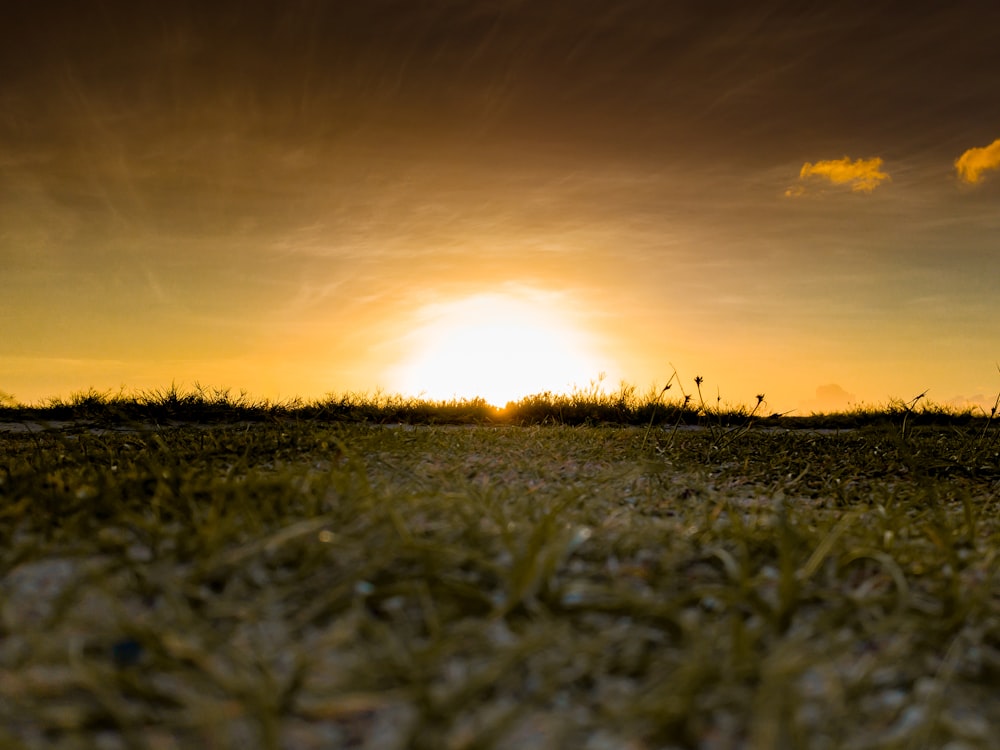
x,y
971,165
863,175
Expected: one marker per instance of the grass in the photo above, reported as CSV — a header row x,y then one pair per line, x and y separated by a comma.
x,y
204,570
590,406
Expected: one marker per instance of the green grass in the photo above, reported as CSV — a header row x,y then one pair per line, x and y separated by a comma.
x,y
196,571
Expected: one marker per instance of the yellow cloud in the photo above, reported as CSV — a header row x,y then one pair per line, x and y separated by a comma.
x,y
971,165
864,175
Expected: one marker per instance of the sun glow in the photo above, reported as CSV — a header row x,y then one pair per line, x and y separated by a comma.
x,y
500,347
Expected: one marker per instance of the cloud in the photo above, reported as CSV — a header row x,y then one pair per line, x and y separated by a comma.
x,y
971,165
863,175
829,398
978,402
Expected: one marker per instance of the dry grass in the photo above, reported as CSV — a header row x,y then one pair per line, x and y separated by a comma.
x,y
300,583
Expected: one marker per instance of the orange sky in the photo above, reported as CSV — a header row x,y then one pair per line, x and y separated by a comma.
x,y
298,198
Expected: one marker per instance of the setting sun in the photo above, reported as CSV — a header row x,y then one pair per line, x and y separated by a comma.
x,y
498,346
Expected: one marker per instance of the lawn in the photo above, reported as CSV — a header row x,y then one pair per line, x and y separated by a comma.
x,y
318,583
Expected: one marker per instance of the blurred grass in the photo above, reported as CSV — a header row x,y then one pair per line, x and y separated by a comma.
x,y
281,579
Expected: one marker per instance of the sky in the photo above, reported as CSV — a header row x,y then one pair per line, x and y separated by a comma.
x,y
502,197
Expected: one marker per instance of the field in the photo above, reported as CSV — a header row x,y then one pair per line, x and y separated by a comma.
x,y
317,579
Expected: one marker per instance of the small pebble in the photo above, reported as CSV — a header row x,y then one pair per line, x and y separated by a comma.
x,y
126,652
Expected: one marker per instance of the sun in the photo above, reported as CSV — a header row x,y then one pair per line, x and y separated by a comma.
x,y
496,346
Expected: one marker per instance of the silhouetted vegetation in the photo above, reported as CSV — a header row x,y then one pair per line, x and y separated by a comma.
x,y
590,407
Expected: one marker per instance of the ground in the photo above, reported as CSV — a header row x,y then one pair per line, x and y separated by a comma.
x,y
299,584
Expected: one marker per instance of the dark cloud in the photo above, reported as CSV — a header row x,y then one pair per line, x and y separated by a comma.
x,y
631,77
